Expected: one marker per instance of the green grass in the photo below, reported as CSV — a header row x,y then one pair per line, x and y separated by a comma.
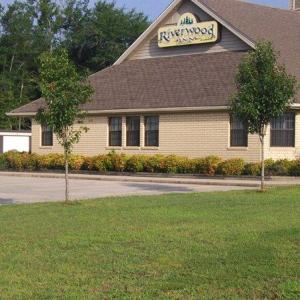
x,y
235,245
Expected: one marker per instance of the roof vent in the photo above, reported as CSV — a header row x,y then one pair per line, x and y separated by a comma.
x,y
294,4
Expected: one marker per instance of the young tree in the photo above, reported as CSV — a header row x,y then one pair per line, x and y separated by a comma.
x,y
264,91
64,91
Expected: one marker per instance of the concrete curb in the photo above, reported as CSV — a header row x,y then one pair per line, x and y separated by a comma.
x,y
168,180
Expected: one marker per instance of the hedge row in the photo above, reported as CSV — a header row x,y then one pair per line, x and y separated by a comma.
x,y
114,162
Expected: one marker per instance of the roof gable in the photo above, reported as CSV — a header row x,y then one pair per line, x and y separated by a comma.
x,y
258,22
171,16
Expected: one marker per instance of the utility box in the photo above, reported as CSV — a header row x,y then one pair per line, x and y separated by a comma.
x,y
15,140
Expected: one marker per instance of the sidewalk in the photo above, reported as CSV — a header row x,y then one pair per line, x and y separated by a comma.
x,y
240,182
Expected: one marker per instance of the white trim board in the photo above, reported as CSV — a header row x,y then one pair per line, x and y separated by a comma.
x,y
3,133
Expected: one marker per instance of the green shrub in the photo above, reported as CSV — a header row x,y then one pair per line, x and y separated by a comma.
x,y
51,161
185,166
153,163
3,162
207,165
170,164
30,161
135,163
269,163
113,161
76,162
278,168
20,161
118,161
15,160
295,168
252,169
89,163
102,163
231,167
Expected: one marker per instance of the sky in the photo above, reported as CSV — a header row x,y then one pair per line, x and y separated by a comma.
x,y
153,8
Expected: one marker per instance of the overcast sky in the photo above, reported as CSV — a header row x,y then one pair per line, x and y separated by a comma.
x,y
153,8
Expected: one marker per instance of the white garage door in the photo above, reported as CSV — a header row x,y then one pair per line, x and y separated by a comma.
x,y
19,143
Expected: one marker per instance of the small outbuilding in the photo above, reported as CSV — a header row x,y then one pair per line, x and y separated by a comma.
x,y
15,140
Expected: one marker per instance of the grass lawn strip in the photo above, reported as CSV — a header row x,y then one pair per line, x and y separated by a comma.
x,y
233,245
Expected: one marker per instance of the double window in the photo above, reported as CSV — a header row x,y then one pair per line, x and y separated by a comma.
x,y
47,136
238,133
115,131
283,131
133,131
151,131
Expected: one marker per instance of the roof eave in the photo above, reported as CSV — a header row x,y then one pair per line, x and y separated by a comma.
x,y
21,114
295,106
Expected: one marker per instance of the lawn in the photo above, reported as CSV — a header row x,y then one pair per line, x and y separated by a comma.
x,y
234,245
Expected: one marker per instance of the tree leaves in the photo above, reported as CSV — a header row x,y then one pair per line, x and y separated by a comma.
x,y
94,36
265,89
64,90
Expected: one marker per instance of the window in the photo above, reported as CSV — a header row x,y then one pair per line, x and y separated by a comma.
x,y
152,131
238,133
115,132
283,131
47,136
133,131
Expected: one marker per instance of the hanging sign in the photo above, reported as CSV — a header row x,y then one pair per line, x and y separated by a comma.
x,y
188,32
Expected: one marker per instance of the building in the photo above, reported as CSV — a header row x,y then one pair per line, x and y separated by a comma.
x,y
169,92
15,140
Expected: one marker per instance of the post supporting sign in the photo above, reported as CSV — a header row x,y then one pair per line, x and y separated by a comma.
x,y
188,32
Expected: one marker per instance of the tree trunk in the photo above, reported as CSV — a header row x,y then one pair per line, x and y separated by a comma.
x,y
262,187
67,193
11,63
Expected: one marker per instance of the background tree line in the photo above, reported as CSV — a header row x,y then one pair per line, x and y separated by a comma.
x,y
95,35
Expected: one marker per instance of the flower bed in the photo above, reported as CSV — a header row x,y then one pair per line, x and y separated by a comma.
x,y
113,162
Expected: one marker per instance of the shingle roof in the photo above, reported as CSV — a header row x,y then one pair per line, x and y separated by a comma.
x,y
258,22
194,80
182,81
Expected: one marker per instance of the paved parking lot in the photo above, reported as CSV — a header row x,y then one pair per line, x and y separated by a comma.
x,y
15,190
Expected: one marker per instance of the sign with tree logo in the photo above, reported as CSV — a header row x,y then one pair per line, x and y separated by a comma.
x,y
188,32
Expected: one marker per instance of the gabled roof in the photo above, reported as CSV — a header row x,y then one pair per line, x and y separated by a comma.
x,y
189,81
170,82
257,22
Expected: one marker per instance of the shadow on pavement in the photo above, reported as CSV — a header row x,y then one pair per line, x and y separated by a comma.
x,y
6,201
159,187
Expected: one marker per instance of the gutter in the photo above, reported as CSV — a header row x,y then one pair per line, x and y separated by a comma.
x,y
165,110
136,110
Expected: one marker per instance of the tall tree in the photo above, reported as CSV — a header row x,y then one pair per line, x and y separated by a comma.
x,y
64,91
48,25
15,64
264,92
96,37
